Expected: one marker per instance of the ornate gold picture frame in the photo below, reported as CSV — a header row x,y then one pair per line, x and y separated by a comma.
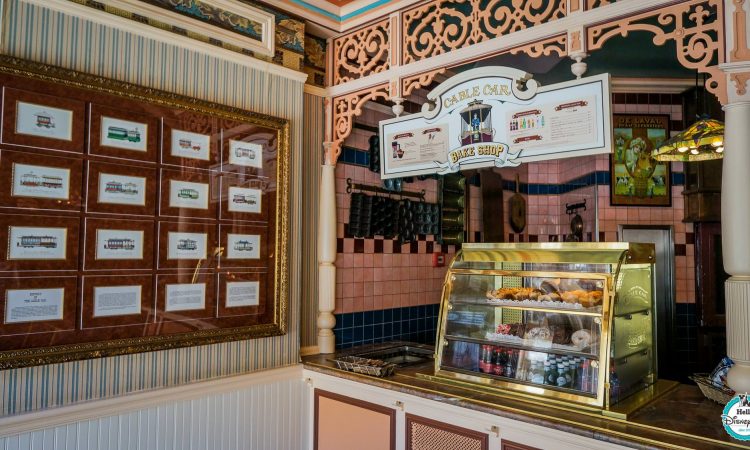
x,y
90,325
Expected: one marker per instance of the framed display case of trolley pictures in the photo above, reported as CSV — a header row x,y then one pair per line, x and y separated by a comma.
x,y
120,228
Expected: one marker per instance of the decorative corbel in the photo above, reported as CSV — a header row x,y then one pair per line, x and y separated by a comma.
x,y
345,109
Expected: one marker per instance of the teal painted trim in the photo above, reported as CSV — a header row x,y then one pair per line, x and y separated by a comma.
x,y
338,18
364,9
317,10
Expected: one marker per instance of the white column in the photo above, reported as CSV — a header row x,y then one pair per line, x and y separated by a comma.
x,y
327,257
735,228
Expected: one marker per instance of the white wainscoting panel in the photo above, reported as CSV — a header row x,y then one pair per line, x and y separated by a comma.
x,y
263,411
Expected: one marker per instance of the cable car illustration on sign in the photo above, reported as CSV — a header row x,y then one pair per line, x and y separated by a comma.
x,y
476,123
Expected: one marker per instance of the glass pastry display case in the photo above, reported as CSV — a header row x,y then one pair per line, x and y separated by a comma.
x,y
573,323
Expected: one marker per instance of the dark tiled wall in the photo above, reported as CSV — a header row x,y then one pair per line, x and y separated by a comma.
x,y
412,324
686,339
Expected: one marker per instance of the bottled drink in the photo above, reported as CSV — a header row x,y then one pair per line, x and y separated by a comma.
x,y
498,368
568,374
546,372
484,359
561,380
586,376
576,372
552,377
510,363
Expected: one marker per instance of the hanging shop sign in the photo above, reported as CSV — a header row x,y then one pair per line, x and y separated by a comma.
x,y
497,116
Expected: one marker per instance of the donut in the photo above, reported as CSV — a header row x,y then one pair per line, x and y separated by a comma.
x,y
581,339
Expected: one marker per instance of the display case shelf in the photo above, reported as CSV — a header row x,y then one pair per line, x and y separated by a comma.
x,y
508,321
532,348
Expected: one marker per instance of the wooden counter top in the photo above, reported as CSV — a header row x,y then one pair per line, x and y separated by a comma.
x,y
682,418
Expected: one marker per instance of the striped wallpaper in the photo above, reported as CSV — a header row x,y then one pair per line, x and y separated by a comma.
x,y
38,34
312,153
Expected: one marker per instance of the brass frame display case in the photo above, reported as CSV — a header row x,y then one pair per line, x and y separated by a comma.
x,y
495,295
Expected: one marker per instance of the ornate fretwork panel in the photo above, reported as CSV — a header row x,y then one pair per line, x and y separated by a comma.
x,y
591,4
695,27
443,25
345,109
409,84
546,47
362,53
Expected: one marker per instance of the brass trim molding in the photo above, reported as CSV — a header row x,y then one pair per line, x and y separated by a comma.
x,y
70,352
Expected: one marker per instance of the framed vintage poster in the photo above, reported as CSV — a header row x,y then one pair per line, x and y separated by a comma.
x,y
38,243
114,300
125,226
248,154
119,245
189,145
128,134
33,306
121,189
123,134
637,179
188,193
40,182
42,119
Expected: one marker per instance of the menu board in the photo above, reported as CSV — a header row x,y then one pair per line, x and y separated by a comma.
x,y
483,118
125,222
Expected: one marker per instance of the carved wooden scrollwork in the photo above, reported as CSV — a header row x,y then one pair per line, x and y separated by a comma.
x,y
444,25
694,26
591,4
409,84
361,53
345,109
545,47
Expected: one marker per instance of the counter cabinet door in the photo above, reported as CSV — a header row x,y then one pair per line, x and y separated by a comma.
x,y
428,434
345,423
